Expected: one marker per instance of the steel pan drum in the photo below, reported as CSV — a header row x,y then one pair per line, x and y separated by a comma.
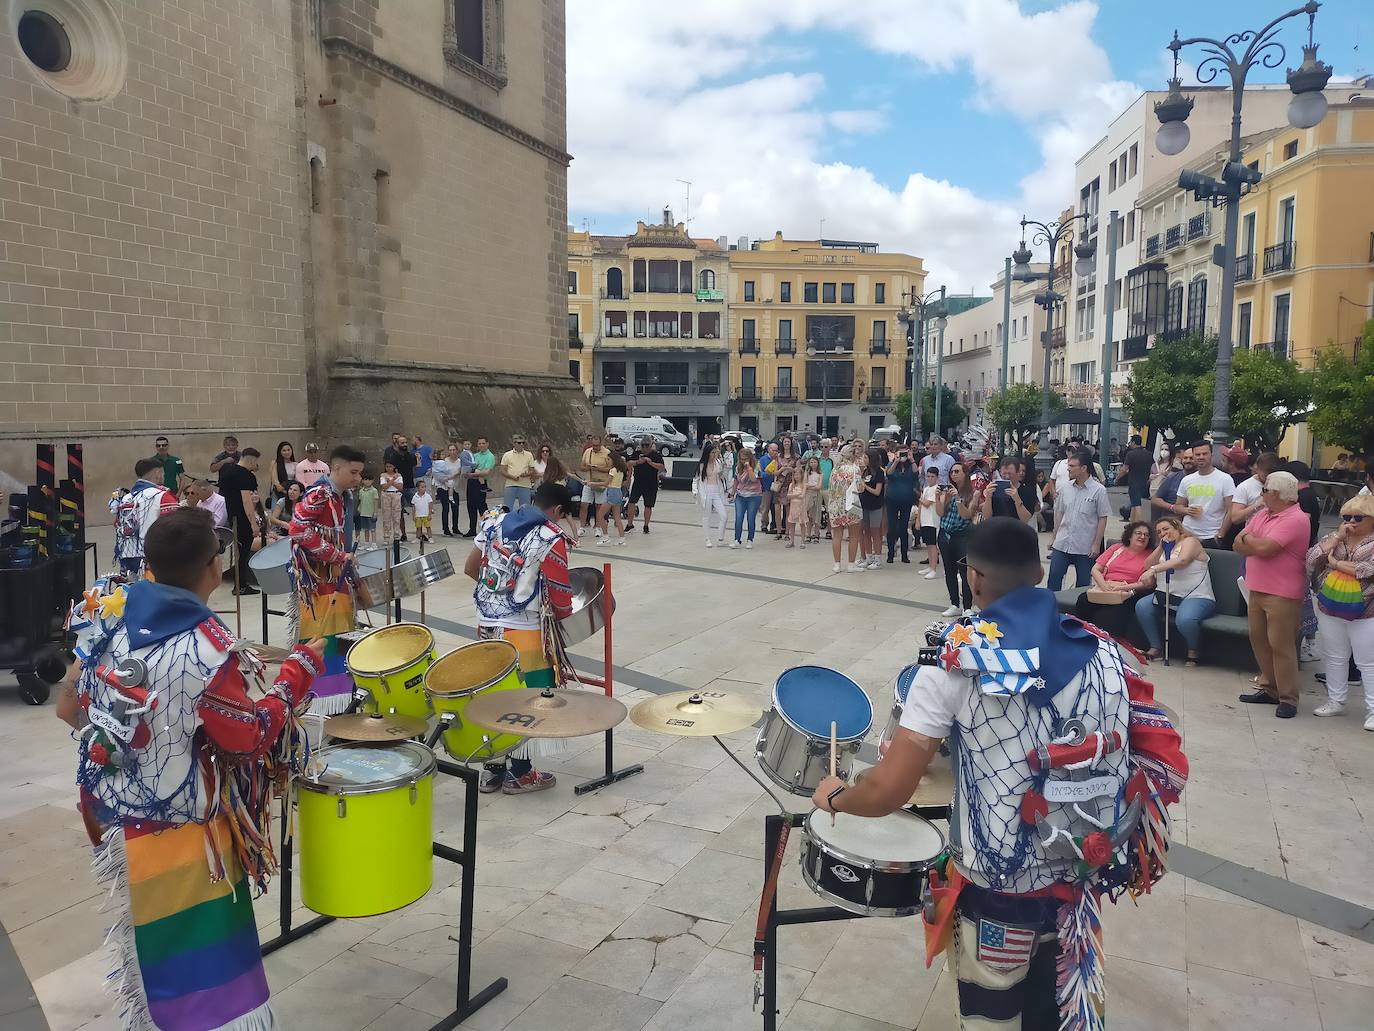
x,y
272,567
588,615
374,591
366,824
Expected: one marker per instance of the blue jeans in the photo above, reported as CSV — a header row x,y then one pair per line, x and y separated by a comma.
x,y
1060,561
1188,616
514,497
746,505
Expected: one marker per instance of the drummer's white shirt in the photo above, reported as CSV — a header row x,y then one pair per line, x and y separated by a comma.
x,y
933,700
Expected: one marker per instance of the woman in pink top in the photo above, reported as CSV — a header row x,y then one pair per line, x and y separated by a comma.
x,y
1119,575
1274,543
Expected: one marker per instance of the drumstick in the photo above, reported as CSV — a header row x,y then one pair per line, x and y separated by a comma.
x,y
832,762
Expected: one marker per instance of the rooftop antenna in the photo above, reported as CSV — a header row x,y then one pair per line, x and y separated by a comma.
x,y
687,208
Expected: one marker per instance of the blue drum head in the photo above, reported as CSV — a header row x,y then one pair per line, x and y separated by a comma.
x,y
811,697
904,679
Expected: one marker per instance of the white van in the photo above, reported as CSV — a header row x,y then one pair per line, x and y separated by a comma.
x,y
671,440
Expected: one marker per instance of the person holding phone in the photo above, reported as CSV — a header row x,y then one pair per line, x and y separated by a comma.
x,y
1009,495
901,496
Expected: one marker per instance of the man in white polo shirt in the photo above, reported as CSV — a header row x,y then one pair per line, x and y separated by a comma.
x,y
1204,498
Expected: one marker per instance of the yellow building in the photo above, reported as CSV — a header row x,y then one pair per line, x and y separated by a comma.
x,y
647,323
1305,265
838,299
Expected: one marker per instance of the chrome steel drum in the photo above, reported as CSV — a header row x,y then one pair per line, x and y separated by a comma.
x,y
375,590
588,614
794,745
272,567
873,867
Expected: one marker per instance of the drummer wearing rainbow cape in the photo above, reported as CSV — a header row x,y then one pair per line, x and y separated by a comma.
x,y
321,566
520,563
183,766
1064,767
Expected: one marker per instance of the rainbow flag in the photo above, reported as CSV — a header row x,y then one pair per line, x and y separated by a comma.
x,y
190,959
1340,596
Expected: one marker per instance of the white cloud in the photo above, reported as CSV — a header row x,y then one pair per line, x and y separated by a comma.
x,y
662,92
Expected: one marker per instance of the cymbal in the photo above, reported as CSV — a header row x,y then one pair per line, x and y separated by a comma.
x,y
695,714
531,712
373,726
268,653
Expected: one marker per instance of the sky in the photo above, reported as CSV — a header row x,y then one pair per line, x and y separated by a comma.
x,y
927,126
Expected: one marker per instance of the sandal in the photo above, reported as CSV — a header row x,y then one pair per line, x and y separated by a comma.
x,y
1154,653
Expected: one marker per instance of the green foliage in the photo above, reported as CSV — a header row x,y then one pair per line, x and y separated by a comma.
x,y
1016,412
1269,393
1343,396
952,413
1163,389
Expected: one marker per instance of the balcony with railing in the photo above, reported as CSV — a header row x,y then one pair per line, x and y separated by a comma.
x,y
785,345
748,394
1199,226
662,388
784,394
1279,347
749,345
574,342
833,348
1245,268
615,295
706,388
880,396
1152,246
879,345
1278,258
1173,237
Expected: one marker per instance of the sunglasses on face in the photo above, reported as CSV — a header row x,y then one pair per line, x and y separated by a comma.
x,y
1352,518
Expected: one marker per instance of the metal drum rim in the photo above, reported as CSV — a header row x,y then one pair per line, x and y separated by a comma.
x,y
514,665
801,730
882,865
428,767
348,659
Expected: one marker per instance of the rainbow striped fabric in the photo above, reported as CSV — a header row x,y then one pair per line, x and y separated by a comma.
x,y
195,939
1340,596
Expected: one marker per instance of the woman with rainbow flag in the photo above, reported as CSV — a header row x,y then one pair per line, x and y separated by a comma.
x,y
1341,572
183,767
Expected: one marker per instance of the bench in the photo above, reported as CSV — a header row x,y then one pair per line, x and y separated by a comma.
x,y
1226,631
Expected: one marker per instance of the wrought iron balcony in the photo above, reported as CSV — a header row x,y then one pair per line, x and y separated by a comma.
x,y
748,394
749,345
1199,226
785,394
574,342
1279,347
1152,246
1278,258
787,345
880,396
1245,268
879,345
1173,237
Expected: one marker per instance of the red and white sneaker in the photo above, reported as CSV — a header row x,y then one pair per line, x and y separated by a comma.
x,y
532,781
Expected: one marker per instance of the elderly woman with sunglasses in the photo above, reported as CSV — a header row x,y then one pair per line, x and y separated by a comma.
x,y
1341,572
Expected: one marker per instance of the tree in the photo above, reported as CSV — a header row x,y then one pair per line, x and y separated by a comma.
x,y
1269,393
1163,390
1016,411
1343,396
952,413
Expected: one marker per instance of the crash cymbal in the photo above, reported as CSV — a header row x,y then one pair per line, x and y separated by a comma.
x,y
531,712
695,714
373,726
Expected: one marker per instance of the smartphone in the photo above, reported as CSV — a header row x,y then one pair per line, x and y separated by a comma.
x,y
1002,484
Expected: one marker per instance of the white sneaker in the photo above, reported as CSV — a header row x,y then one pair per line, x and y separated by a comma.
x,y
602,540
748,545
1369,722
734,545
599,533
836,568
971,612
857,567
581,531
708,543
953,610
930,574
1329,708
874,562
1307,651
620,542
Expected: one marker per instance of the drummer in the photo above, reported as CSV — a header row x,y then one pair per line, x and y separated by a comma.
x,y
1005,938
321,566
520,563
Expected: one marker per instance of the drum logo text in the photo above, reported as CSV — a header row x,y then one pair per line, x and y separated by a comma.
x,y
682,723
845,874
519,719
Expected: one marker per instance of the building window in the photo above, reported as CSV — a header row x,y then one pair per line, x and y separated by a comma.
x,y
614,325
784,329
877,381
748,289
748,381
879,293
784,379
684,277
747,331
809,295
785,292
1130,223
707,279
708,325
575,370
1290,150
1243,320
572,282
708,378
846,293
615,284
1247,233
468,17
1024,329
830,332
880,332
1173,310
662,277
685,320
613,377
1282,308
574,327
316,183
828,293
663,324
382,183
1197,304
474,40
661,377
1135,154
640,269
1288,210
829,380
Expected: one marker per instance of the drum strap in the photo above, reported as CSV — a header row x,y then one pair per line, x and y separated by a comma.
x,y
770,888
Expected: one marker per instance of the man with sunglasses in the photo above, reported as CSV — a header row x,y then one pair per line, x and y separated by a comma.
x,y
173,470
517,469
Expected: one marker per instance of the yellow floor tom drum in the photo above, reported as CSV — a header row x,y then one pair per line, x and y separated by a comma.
x,y
460,676
389,664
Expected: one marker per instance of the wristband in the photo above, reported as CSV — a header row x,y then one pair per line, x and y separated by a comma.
x,y
830,798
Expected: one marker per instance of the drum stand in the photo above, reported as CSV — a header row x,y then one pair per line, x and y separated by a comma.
x,y
604,681
772,831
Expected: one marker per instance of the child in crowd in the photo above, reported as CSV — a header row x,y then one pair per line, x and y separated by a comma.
x,y
392,486
368,500
814,480
930,522
795,507
421,502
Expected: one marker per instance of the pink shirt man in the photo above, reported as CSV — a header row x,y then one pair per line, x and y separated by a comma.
x,y
1283,574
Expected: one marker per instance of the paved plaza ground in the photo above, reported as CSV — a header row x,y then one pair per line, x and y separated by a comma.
x,y
633,907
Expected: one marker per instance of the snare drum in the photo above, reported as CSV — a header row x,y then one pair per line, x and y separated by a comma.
x,y
894,720
461,676
390,663
794,745
366,827
872,867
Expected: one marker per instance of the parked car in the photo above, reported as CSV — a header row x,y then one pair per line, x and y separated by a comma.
x,y
670,440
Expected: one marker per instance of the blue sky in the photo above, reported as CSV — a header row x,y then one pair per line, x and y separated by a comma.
x,y
927,126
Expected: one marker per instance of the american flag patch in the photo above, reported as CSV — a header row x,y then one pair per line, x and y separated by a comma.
x,y
1003,948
